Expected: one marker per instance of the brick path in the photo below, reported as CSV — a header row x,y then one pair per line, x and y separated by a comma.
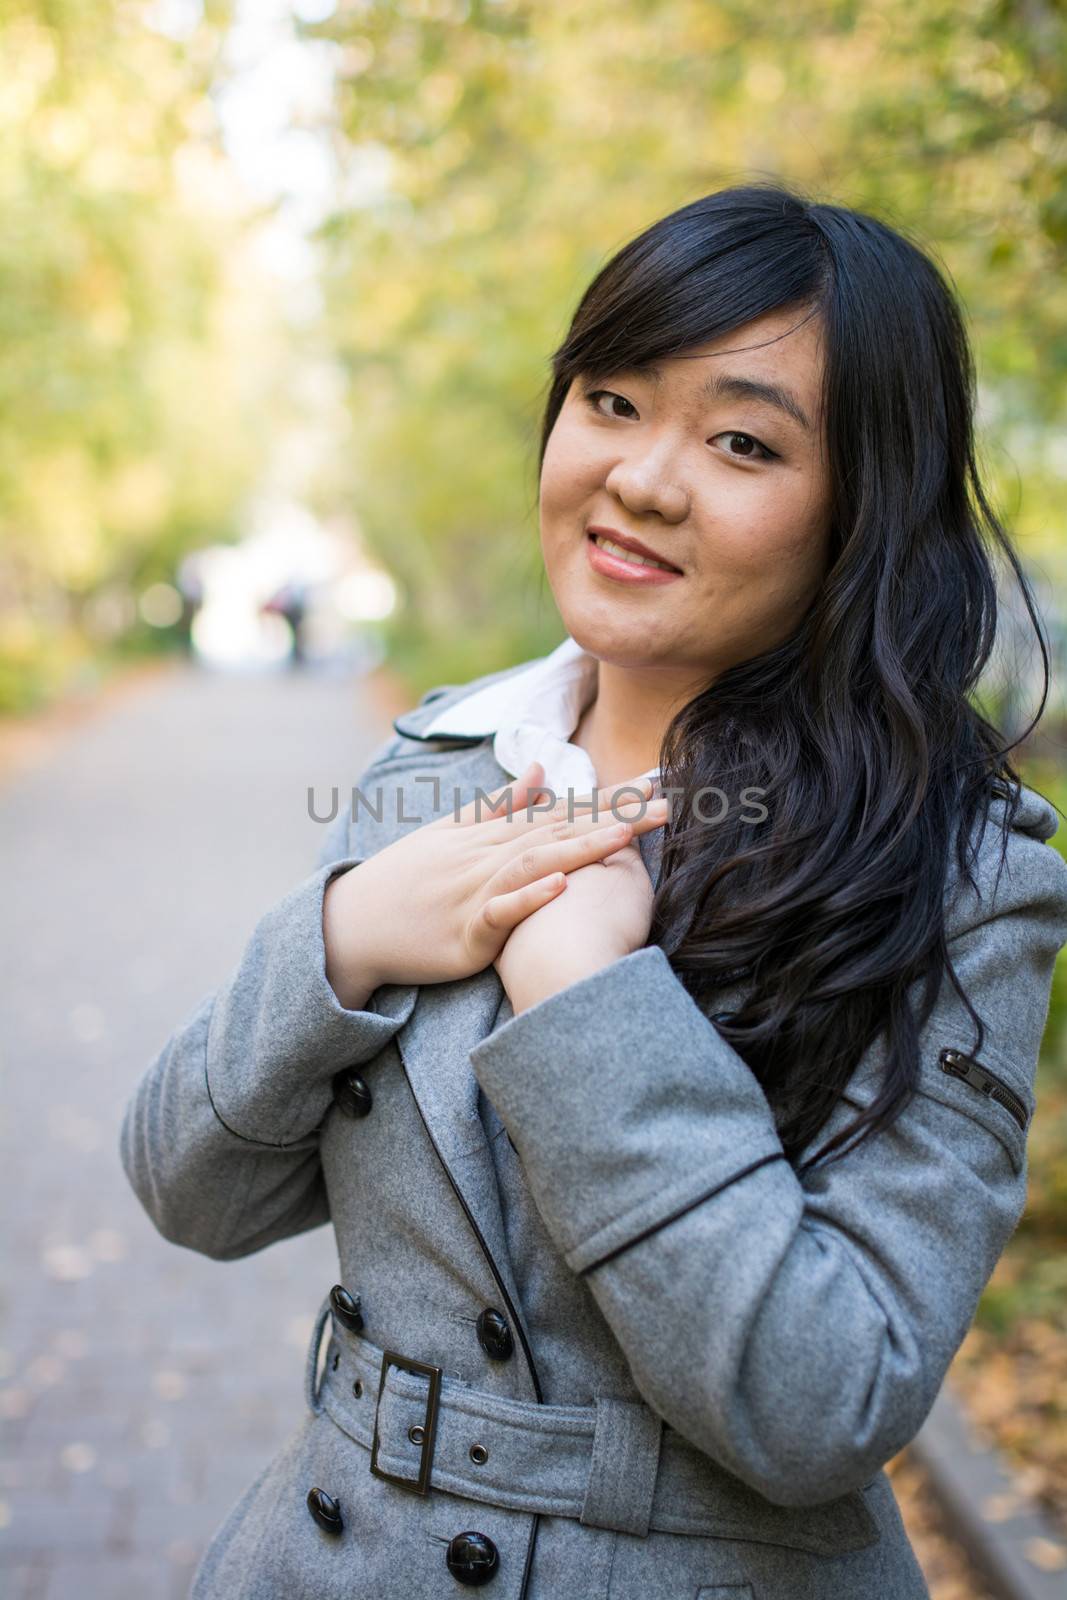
x,y
143,1386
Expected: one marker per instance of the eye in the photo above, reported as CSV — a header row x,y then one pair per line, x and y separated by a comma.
x,y
752,449
593,396
746,454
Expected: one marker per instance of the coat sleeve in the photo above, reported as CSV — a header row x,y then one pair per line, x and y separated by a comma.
x,y
220,1138
795,1331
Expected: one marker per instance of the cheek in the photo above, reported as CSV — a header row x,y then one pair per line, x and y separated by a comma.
x,y
802,539
570,472
782,533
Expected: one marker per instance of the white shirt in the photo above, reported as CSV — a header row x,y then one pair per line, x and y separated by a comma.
x,y
533,714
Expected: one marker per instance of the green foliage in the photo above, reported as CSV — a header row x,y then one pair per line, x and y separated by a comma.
x,y
123,425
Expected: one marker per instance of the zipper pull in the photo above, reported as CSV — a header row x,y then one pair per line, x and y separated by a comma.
x,y
970,1070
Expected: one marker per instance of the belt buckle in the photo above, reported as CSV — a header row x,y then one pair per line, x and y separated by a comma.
x,y
392,1358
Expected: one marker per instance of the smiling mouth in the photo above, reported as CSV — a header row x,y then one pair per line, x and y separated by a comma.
x,y
609,546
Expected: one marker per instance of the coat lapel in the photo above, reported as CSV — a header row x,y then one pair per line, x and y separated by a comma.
x,y
442,1022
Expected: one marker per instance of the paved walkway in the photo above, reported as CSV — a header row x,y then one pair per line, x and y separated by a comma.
x,y
143,1386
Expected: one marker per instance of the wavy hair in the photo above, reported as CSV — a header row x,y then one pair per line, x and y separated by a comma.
x,y
859,727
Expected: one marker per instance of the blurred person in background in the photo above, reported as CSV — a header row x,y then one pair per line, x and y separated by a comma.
x,y
290,602
190,584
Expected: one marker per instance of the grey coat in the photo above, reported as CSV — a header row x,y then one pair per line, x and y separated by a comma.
x,y
709,1362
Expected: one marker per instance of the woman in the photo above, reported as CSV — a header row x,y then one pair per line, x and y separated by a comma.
x,y
666,1168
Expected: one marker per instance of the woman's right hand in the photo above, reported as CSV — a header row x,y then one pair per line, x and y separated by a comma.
x,y
439,902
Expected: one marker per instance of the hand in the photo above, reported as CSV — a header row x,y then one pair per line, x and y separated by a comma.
x,y
603,912
438,903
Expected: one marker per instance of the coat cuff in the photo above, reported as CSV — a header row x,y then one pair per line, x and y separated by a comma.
x,y
278,1033
626,1105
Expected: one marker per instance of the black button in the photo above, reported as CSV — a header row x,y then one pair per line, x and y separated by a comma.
x,y
494,1335
325,1509
352,1093
724,1016
346,1307
472,1559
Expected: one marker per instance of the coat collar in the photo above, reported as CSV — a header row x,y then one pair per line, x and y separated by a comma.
x,y
480,719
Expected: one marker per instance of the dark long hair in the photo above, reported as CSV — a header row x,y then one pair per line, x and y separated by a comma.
x,y
859,727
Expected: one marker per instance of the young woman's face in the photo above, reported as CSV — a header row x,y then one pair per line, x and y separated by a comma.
x,y
728,487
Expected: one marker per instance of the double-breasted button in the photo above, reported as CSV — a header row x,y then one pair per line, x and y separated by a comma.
x,y
352,1093
346,1307
472,1558
325,1509
494,1335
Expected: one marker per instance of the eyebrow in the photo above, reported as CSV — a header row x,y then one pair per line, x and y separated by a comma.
x,y
735,386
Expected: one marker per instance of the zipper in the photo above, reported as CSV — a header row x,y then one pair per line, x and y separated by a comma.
x,y
972,1071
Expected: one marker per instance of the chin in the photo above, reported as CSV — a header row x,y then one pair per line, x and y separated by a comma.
x,y
609,638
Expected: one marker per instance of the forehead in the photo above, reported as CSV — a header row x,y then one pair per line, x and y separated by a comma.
x,y
784,345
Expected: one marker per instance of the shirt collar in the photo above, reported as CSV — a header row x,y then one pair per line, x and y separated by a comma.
x,y
531,715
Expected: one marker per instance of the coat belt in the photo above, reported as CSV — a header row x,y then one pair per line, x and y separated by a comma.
x,y
612,1464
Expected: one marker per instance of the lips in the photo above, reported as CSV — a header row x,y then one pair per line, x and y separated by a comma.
x,y
628,542
626,571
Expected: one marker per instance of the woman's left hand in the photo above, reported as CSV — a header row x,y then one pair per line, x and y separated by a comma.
x,y
603,912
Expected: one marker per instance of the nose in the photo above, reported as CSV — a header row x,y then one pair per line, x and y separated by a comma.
x,y
645,479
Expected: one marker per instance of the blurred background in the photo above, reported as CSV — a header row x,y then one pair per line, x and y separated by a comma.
x,y
279,281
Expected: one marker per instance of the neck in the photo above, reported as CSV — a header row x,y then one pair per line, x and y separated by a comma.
x,y
622,728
